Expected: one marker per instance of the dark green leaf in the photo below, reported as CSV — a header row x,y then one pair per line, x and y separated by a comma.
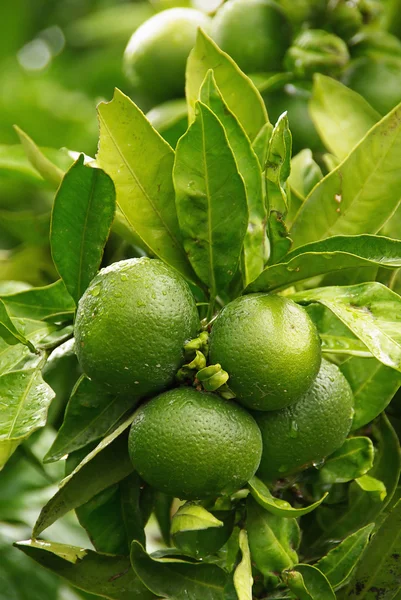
x,y
352,460
25,399
339,563
249,169
163,504
113,518
102,574
308,583
361,194
341,116
48,170
178,580
107,464
8,331
51,302
83,212
336,254
90,414
239,93
280,508
363,506
273,539
379,572
370,310
373,385
140,163
211,201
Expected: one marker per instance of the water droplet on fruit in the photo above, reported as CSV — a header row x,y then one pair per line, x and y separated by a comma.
x,y
95,291
282,469
294,430
124,277
318,464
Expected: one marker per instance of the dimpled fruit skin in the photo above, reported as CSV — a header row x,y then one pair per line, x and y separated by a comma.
x,y
132,323
192,444
156,55
254,33
269,347
309,430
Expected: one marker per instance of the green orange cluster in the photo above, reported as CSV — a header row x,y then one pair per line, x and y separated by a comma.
x,y
277,408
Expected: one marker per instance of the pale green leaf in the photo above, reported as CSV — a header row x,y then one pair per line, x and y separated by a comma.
x,y
140,164
341,116
239,93
361,194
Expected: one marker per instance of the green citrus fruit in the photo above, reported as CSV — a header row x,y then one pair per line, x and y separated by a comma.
x,y
255,33
192,444
309,430
132,323
270,348
377,80
156,55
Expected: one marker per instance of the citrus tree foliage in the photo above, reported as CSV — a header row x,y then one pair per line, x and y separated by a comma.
x,y
232,213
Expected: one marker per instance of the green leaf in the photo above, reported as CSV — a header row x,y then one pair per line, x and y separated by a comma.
x,y
51,302
260,144
341,116
249,169
8,331
211,201
379,572
178,580
280,508
372,485
13,162
305,173
339,563
273,539
45,167
102,574
308,583
83,212
25,399
243,580
373,386
278,166
170,119
370,310
334,255
193,517
26,226
239,93
140,163
363,506
82,215
361,194
107,464
90,414
114,517
352,460
18,356
279,239
162,508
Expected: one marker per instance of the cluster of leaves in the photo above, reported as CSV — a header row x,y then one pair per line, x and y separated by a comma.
x,y
233,214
